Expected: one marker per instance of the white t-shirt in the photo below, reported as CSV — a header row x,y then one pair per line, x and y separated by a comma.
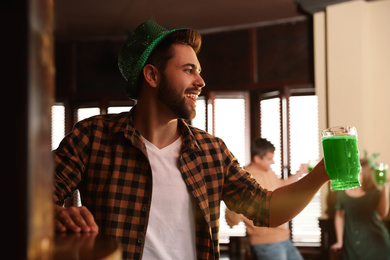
x,y
171,227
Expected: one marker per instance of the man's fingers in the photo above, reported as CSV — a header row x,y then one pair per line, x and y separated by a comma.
x,y
58,215
59,226
83,218
76,219
89,219
64,218
79,221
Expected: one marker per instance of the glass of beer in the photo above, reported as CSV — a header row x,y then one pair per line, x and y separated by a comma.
x,y
380,174
311,164
341,157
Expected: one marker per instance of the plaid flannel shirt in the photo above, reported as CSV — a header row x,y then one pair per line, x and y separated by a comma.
x,y
106,159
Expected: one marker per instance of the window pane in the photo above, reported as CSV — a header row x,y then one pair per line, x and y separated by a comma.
x,y
304,146
271,129
83,113
305,226
304,134
57,125
225,231
200,119
117,110
230,125
210,122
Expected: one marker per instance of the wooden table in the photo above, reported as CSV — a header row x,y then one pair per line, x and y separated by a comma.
x,y
85,246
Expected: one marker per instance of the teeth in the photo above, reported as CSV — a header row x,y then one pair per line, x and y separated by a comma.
x,y
192,96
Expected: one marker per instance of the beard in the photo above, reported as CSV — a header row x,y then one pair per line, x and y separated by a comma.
x,y
174,100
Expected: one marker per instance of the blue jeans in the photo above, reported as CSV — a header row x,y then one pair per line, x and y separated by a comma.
x,y
282,251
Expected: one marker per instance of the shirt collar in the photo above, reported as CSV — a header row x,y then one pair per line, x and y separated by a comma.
x,y
189,140
126,126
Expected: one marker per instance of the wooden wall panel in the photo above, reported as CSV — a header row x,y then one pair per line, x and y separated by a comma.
x,y
248,59
97,67
225,59
285,53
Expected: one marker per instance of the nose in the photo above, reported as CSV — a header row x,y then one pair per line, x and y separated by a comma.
x,y
200,82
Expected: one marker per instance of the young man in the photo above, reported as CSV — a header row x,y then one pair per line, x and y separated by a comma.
x,y
267,243
150,179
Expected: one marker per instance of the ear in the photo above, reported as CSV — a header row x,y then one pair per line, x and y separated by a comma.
x,y
151,75
257,159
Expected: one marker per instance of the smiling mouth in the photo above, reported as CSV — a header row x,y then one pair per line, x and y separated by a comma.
x,y
193,94
193,97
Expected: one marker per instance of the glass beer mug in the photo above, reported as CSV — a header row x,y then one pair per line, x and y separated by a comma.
x,y
341,157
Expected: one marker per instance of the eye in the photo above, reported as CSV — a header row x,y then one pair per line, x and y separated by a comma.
x,y
189,70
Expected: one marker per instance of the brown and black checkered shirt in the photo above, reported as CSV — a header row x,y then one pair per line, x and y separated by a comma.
x,y
105,157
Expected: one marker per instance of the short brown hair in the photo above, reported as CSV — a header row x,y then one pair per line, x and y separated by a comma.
x,y
163,52
367,172
261,146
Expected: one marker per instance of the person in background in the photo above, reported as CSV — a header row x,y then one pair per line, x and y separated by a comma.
x,y
150,179
267,243
360,232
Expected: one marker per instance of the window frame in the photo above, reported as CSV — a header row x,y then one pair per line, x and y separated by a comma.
x,y
283,93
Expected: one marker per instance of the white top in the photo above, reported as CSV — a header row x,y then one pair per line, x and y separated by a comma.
x,y
171,228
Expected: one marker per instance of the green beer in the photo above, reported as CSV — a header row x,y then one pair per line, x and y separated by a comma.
x,y
341,157
380,174
311,164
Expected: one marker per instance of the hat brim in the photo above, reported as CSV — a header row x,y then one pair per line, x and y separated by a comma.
x,y
132,90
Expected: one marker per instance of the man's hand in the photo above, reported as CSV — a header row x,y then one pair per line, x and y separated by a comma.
x,y
74,219
303,169
337,246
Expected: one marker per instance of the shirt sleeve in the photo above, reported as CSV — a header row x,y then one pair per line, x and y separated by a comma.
x,y
70,160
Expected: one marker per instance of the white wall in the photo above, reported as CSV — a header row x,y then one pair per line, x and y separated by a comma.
x,y
379,35
352,71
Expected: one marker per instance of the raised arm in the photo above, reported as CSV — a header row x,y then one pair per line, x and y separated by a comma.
x,y
288,201
294,177
232,218
383,205
339,222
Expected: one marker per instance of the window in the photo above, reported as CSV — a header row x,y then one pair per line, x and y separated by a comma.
x,y
304,146
200,119
230,124
271,129
57,125
58,119
227,118
117,110
295,138
83,113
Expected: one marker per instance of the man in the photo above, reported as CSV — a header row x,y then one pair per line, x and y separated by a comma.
x,y
267,243
150,179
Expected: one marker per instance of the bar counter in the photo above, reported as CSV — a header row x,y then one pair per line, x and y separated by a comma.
x,y
85,246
